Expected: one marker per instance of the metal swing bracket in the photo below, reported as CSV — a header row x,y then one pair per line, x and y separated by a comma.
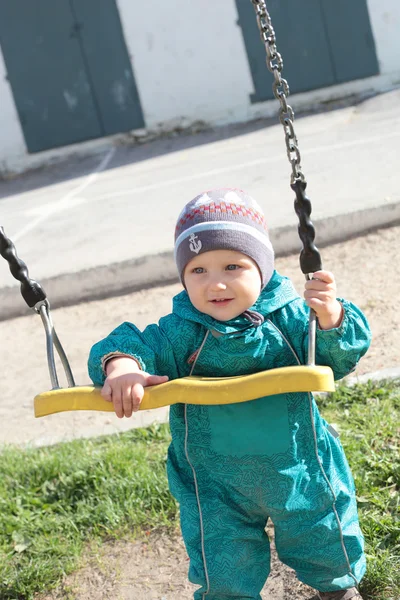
x,y
35,297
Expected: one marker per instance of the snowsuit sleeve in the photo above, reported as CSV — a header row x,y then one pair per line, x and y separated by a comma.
x,y
340,348
152,348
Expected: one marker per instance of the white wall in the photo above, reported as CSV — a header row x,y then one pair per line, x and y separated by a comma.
x,y
190,63
385,21
12,144
189,60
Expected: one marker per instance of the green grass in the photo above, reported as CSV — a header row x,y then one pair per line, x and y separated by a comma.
x,y
368,417
55,501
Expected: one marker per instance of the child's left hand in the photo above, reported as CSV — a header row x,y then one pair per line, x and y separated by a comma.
x,y
320,294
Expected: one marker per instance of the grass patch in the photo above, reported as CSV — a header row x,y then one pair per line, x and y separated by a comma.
x,y
368,418
56,500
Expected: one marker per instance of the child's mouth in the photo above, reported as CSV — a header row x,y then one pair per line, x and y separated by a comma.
x,y
221,301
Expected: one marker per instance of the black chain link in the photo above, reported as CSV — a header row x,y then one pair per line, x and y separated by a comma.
x,y
32,292
310,258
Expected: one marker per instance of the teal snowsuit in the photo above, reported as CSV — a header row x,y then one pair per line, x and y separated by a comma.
x,y
231,467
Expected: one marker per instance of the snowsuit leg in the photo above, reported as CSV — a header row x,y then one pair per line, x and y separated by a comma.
x,y
224,534
322,557
324,545
229,554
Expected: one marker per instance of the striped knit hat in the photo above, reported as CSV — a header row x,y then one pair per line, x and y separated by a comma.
x,y
224,219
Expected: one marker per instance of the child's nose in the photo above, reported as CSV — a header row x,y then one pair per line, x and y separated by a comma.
x,y
217,284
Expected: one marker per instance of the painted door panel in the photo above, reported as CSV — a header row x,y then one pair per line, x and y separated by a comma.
x,y
108,65
69,70
47,73
351,39
301,40
322,43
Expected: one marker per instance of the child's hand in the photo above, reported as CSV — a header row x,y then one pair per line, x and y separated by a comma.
x,y
320,294
125,384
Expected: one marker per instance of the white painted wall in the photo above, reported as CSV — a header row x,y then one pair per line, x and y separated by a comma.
x,y
189,60
12,143
190,64
385,21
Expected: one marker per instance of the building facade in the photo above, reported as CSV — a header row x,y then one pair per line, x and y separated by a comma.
x,y
80,70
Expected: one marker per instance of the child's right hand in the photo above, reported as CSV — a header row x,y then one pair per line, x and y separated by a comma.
x,y
125,384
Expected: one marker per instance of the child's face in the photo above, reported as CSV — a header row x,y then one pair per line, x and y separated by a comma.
x,y
222,283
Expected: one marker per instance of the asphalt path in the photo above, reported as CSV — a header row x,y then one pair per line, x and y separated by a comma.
x,y
103,224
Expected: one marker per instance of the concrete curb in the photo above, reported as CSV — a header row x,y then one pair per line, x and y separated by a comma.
x,y
383,374
147,271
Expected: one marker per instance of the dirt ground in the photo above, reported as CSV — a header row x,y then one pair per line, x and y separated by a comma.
x,y
367,271
156,569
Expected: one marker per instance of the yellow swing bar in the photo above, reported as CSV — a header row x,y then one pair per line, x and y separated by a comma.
x,y
200,390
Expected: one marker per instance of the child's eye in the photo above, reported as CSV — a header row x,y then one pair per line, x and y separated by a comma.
x,y
232,267
198,270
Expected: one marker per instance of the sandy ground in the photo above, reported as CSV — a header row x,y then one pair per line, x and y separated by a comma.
x,y
156,569
367,270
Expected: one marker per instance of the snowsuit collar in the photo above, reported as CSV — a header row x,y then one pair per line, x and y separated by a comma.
x,y
278,292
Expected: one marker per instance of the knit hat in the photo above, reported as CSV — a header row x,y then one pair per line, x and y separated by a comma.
x,y
224,219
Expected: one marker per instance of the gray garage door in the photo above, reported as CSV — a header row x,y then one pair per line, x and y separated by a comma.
x,y
69,70
323,42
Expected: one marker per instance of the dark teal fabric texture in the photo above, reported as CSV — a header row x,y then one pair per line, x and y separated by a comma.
x,y
233,467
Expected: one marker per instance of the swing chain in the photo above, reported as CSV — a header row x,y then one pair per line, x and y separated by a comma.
x,y
35,297
280,88
310,259
32,292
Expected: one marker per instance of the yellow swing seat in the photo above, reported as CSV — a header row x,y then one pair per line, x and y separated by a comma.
x,y
195,390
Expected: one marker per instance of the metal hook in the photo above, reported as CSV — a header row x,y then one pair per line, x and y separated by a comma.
x,y
52,340
312,333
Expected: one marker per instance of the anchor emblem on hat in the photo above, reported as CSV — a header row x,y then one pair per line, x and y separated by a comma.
x,y
194,245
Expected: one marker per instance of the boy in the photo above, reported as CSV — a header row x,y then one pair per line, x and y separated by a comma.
x,y
231,467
